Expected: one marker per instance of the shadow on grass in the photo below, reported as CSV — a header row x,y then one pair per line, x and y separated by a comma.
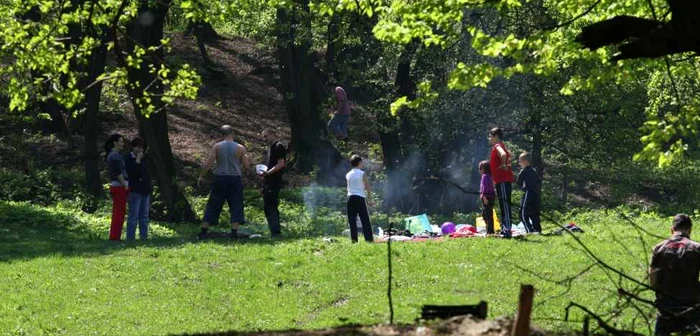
x,y
28,231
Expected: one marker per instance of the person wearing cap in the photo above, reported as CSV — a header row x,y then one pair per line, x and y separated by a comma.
x,y
673,274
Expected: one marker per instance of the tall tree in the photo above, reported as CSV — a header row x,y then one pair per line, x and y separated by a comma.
x,y
302,95
144,35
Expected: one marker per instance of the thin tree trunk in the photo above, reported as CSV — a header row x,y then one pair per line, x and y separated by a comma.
x,y
91,125
481,153
537,150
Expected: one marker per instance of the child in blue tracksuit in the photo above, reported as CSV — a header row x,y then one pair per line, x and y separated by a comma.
x,y
530,182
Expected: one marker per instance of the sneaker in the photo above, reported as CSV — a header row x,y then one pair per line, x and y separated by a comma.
x,y
506,235
202,236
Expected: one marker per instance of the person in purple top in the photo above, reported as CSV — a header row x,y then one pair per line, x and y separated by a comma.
x,y
487,194
338,125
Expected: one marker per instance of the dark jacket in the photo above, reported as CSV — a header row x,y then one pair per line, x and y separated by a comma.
x,y
139,178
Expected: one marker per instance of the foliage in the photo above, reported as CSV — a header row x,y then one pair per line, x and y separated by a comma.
x,y
534,42
43,58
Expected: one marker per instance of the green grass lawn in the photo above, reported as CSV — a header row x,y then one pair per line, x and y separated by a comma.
x,y
60,275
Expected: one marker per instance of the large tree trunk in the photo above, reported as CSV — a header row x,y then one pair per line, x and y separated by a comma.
x,y
302,94
147,31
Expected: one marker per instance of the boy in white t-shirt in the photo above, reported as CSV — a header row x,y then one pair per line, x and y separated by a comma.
x,y
359,195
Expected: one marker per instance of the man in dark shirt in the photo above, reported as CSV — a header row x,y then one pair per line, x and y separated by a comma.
x,y
530,182
272,180
674,271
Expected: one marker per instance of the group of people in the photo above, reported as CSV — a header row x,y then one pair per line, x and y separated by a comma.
x,y
496,182
674,268
130,184
230,161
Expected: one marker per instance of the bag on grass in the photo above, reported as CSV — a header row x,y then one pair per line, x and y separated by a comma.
x,y
418,224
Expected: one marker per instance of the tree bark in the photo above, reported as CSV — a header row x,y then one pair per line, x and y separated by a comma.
x,y
91,124
481,153
302,94
147,31
394,136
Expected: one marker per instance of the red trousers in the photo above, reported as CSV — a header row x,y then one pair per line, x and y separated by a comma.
x,y
119,195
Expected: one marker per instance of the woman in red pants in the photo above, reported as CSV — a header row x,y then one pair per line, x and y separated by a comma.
x,y
118,184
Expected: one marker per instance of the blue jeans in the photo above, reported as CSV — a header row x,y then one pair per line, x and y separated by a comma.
x,y
339,125
139,206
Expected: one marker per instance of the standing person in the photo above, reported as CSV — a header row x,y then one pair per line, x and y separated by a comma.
x,y
673,274
272,180
530,182
338,125
487,195
140,185
359,195
230,158
118,183
503,177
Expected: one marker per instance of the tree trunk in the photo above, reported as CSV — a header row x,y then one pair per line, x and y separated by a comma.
x,y
147,31
332,43
91,125
302,98
399,193
537,150
481,153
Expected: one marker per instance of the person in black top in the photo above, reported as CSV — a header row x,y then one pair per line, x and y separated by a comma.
x,y
673,274
140,196
272,180
530,182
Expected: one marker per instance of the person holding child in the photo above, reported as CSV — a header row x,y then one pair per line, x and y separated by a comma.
x,y
530,182
503,177
359,195
487,194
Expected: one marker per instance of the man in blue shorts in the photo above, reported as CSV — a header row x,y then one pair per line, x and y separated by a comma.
x,y
230,158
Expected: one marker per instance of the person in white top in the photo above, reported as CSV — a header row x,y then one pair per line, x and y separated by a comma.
x,y
359,195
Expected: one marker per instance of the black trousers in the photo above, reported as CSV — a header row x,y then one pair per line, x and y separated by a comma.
x,y
530,212
358,207
504,191
487,214
271,202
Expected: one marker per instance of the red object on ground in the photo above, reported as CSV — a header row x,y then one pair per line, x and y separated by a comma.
x,y
119,195
468,228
